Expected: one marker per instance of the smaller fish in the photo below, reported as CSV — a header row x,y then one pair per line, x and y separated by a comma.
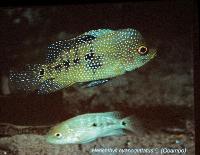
x,y
88,127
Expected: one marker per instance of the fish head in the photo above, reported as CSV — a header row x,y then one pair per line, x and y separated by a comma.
x,y
143,54
61,134
137,50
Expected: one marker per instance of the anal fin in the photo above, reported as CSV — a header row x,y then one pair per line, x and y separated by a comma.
x,y
117,132
49,86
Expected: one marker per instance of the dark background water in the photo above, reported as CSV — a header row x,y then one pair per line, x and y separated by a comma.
x,y
27,31
160,93
168,25
24,29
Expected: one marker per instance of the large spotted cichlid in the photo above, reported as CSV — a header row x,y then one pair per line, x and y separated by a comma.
x,y
89,59
88,127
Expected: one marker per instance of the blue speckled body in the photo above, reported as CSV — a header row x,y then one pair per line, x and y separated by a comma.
x,y
88,127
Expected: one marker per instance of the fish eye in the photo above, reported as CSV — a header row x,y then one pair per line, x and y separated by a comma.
x,y
59,135
142,50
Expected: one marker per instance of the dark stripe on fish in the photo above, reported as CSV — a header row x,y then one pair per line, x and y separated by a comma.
x,y
85,38
76,61
66,64
95,63
94,124
58,67
41,72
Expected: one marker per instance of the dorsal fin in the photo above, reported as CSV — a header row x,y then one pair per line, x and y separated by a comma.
x,y
56,49
112,114
99,32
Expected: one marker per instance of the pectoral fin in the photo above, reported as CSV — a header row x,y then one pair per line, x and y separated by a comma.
x,y
88,141
117,132
94,83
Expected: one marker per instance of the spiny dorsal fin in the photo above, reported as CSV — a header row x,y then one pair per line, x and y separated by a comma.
x,y
112,114
99,32
56,49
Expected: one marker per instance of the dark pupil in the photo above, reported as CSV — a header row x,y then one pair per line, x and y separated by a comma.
x,y
57,134
143,50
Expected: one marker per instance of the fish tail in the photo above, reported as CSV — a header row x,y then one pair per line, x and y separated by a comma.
x,y
132,124
28,79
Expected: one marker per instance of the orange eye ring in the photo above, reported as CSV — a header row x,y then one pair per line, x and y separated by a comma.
x,y
142,50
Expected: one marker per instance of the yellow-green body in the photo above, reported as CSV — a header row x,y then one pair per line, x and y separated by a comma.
x,y
114,52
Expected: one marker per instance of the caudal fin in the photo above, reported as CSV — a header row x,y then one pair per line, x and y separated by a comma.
x,y
26,80
131,123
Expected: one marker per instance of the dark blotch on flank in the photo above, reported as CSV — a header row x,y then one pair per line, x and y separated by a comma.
x,y
42,72
86,38
94,63
76,60
58,67
66,63
94,124
89,56
124,123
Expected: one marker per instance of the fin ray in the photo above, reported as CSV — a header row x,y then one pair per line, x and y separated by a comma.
x,y
116,132
113,114
56,49
88,141
99,32
131,123
49,86
94,83
25,80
